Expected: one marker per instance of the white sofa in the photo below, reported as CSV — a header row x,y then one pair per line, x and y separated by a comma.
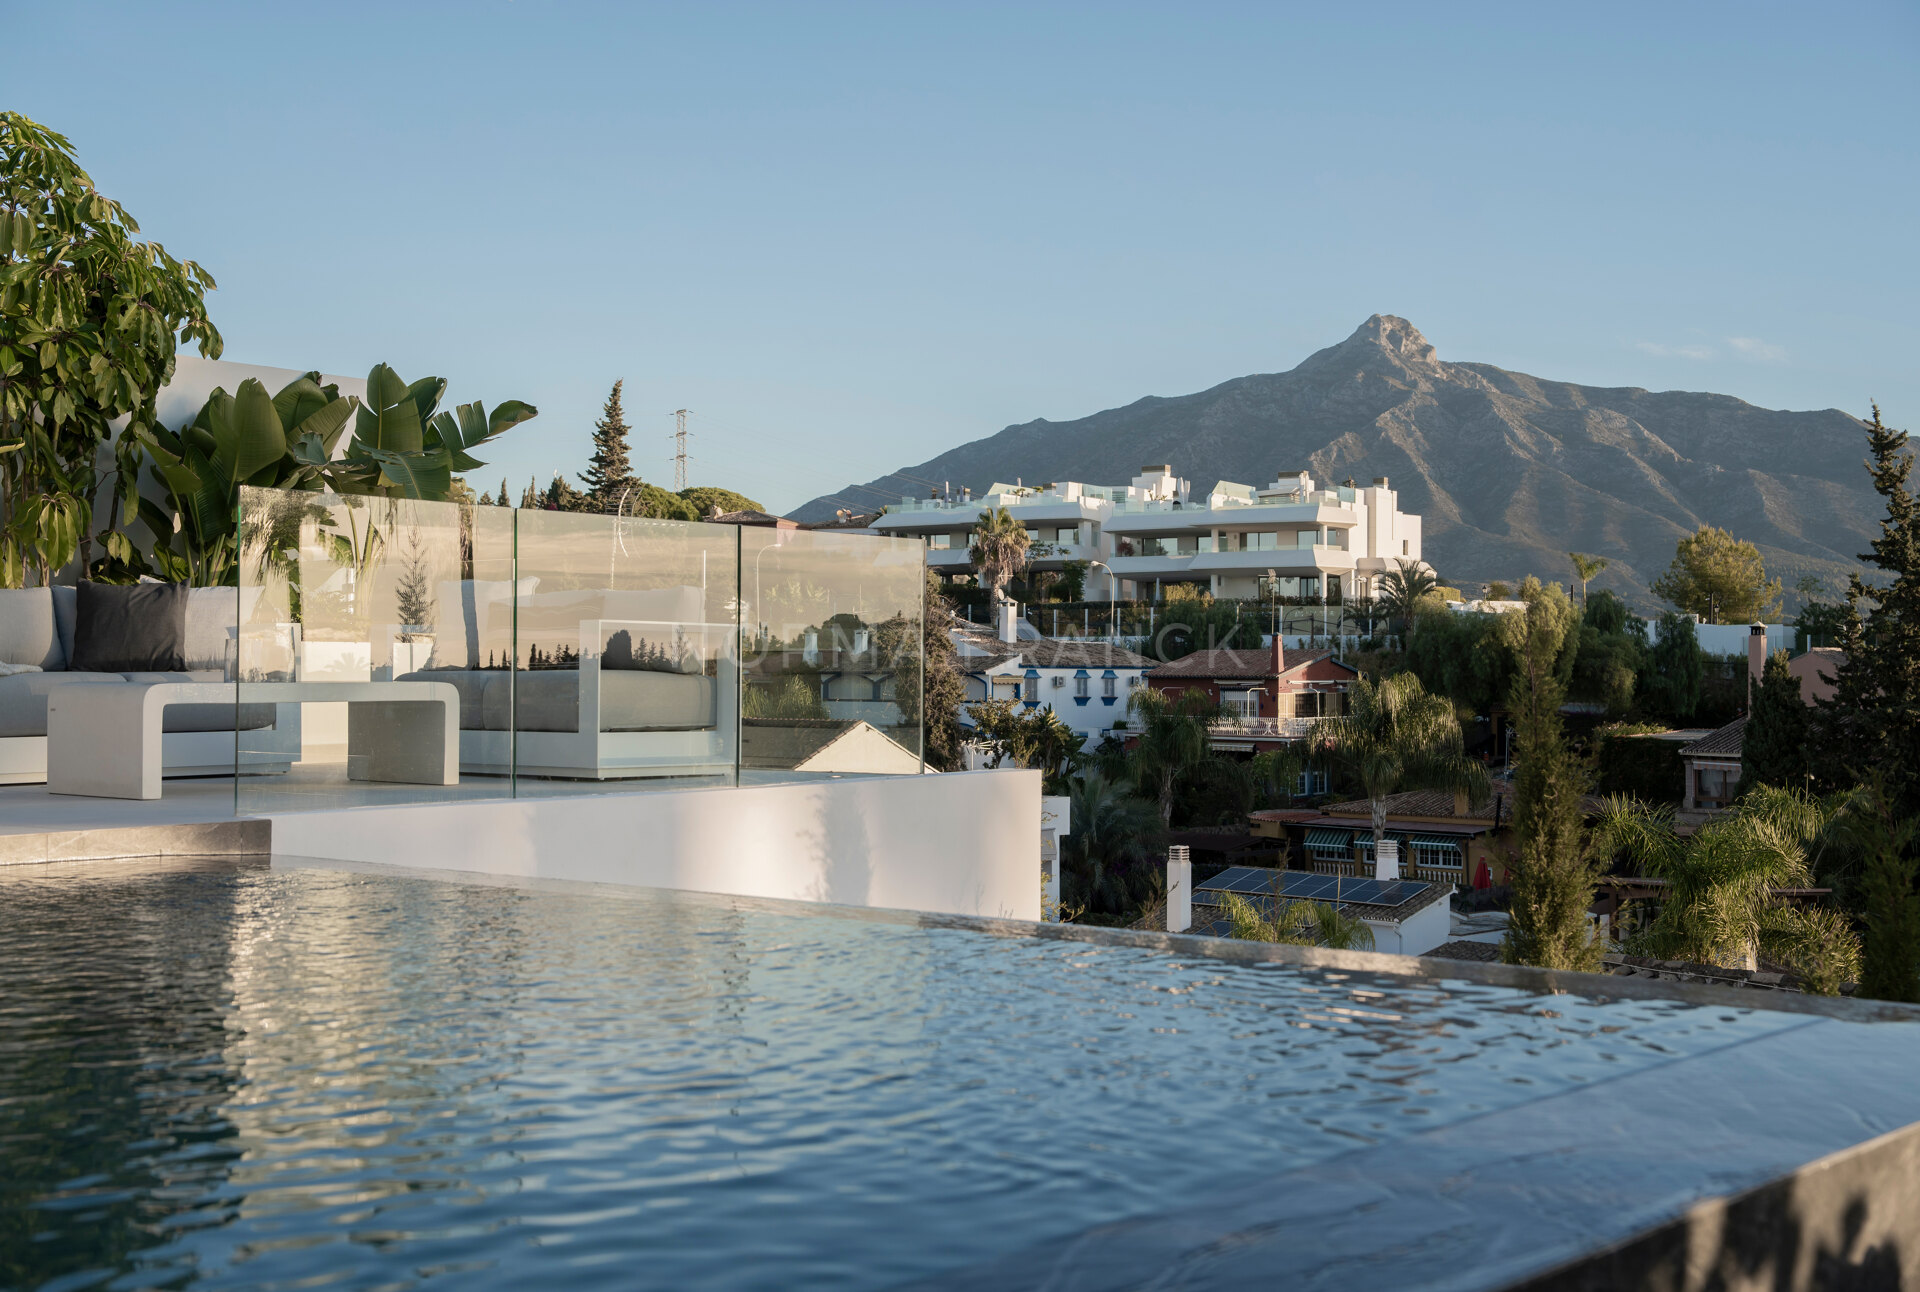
x,y
36,628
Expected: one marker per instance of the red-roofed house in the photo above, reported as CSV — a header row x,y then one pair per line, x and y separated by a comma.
x,y
1271,695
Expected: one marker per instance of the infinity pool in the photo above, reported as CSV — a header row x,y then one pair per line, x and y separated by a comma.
x,y
222,1076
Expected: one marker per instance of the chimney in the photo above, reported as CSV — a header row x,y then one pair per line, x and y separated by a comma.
x,y
1009,613
1756,660
1386,859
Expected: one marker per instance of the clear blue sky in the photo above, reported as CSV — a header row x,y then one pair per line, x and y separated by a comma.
x,y
848,237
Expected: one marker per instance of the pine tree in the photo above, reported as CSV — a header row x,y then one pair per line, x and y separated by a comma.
x,y
1774,741
413,593
1553,874
608,472
1873,719
1890,951
561,496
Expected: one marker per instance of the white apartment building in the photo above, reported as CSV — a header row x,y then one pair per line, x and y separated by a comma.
x,y
1291,539
1065,520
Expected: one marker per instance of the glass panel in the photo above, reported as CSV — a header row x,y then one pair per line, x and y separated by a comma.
x,y
363,621
624,662
831,653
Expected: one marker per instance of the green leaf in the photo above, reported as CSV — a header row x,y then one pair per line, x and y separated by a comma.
x,y
384,387
323,424
260,440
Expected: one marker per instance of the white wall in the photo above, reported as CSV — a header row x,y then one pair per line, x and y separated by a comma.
x,y
960,843
1731,639
194,378
1420,933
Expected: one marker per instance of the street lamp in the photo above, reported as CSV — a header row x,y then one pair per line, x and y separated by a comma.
x,y
1112,583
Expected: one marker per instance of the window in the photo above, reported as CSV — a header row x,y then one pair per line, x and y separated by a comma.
x,y
940,542
1436,854
1403,547
1108,686
1713,787
1031,692
1080,687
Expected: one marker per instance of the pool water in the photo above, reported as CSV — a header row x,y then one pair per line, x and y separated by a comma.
x,y
223,1075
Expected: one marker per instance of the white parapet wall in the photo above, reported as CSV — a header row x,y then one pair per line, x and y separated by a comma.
x,y
961,843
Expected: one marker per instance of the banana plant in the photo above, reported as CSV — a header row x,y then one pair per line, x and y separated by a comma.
x,y
403,446
284,441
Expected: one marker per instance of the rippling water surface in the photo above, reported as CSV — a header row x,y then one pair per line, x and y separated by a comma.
x,y
225,1076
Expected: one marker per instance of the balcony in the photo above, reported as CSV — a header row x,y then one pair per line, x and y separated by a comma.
x,y
1169,518
1241,728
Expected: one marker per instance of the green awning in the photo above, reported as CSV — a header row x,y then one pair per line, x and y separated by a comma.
x,y
1342,839
1393,836
1435,841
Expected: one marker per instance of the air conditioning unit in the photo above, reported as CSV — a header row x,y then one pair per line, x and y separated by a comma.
x,y
1059,681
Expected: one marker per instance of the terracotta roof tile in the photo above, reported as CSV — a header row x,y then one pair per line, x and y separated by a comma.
x,y
1723,743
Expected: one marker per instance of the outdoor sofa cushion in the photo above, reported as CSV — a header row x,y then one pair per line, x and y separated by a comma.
x,y
140,626
29,631
23,702
213,621
549,699
630,700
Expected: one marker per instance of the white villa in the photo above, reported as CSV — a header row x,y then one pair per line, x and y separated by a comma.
x,y
1087,684
1290,539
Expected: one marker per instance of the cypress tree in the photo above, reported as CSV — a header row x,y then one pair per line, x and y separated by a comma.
x,y
501,499
1553,873
608,472
1774,743
531,496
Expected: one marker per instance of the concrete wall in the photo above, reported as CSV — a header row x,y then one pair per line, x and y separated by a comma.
x,y
962,843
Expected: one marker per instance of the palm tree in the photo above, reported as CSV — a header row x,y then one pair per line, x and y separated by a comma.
x,y
1300,923
1584,568
1276,772
1720,907
1113,836
1403,586
1396,736
999,550
1174,737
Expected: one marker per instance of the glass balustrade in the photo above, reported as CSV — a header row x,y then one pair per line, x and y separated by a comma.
x,y
392,651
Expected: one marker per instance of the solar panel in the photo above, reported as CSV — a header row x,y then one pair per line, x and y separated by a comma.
x,y
1309,887
1259,881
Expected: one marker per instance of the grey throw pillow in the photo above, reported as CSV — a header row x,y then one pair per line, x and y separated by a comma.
x,y
139,628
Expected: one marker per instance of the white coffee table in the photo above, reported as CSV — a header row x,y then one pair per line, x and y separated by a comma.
x,y
104,741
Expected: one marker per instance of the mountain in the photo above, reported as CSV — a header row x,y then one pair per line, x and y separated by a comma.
x,y
1510,472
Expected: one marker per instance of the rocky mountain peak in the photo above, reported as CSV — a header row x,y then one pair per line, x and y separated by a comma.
x,y
1508,472
1384,343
